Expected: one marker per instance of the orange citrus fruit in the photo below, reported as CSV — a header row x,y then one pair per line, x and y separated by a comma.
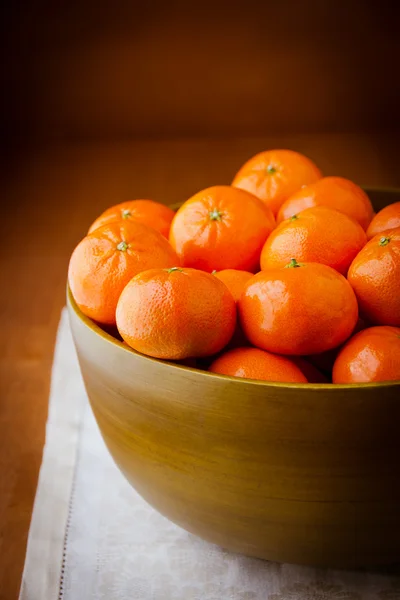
x,y
154,214
106,259
221,228
318,234
335,192
385,219
253,363
299,309
234,280
176,313
371,355
374,275
274,175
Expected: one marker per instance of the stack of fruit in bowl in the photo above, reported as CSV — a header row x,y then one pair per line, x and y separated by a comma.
x,y
284,276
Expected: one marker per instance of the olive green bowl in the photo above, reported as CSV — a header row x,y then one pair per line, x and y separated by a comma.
x,y
298,473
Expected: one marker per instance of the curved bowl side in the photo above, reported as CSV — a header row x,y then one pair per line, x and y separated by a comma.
x,y
303,474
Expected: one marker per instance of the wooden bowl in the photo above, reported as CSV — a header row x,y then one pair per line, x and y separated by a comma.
x,y
304,474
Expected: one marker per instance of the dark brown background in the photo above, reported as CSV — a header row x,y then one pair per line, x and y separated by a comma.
x,y
157,99
209,68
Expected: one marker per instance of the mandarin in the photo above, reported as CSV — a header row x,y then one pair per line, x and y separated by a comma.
x,y
374,276
221,227
299,309
234,280
274,175
176,313
105,260
318,234
335,192
371,355
385,219
253,363
154,214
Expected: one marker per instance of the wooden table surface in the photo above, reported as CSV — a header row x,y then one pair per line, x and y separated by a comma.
x,y
50,196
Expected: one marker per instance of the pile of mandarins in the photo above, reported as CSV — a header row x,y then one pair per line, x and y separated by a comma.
x,y
283,276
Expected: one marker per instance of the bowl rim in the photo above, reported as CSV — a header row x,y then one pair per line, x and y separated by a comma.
x,y
108,338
